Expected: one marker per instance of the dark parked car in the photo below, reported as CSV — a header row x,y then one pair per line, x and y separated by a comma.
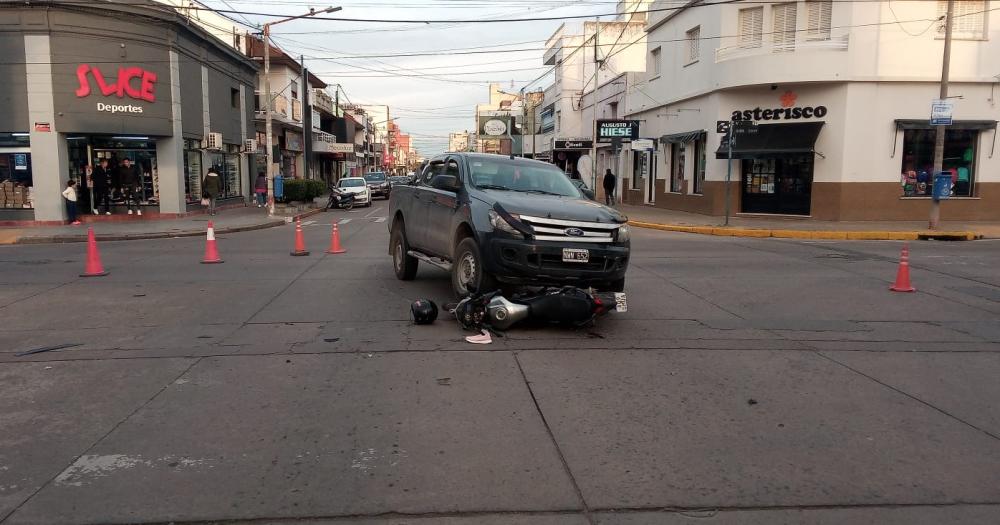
x,y
493,220
378,184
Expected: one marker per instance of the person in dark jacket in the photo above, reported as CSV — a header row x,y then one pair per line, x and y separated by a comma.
x,y
100,182
610,183
211,186
129,178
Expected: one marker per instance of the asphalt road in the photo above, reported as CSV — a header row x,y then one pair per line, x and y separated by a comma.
x,y
752,381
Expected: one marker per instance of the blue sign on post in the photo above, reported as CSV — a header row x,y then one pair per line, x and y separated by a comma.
x,y
942,186
941,112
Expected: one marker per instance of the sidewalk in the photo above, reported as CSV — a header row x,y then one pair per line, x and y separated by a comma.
x,y
227,221
791,227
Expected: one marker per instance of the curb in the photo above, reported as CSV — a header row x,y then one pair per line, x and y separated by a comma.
x,y
813,234
60,239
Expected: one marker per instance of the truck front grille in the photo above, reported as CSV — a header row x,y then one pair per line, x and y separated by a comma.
x,y
571,231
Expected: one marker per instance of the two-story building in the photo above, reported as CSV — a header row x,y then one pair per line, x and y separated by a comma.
x,y
113,81
830,102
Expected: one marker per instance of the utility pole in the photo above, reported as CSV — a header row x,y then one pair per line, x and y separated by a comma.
x,y
306,120
939,133
268,150
593,102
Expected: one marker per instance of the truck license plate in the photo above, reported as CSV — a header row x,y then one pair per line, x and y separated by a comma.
x,y
576,255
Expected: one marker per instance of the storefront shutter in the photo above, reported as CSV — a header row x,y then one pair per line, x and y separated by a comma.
x,y
751,26
819,14
784,26
968,19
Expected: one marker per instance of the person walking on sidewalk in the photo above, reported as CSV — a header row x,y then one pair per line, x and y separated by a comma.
x,y
100,182
129,177
260,189
210,188
610,182
69,194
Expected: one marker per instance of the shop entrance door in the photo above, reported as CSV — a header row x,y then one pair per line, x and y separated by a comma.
x,y
145,159
779,185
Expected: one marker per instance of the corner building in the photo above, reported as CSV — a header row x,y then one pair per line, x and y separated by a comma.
x,y
115,81
839,95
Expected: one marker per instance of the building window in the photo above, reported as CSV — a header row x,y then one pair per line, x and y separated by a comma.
x,y
614,109
693,44
295,92
699,166
638,160
654,62
783,17
968,19
677,167
960,147
818,15
558,121
234,97
751,30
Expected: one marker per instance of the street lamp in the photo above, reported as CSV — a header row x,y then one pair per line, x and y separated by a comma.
x,y
268,153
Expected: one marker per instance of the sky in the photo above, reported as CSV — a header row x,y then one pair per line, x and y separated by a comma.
x,y
431,95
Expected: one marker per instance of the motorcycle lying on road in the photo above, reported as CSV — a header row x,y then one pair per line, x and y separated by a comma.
x,y
340,199
567,305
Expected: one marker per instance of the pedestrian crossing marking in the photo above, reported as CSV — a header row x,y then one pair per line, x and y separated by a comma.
x,y
379,219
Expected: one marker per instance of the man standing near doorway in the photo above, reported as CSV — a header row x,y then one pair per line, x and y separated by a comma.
x,y
100,184
610,182
129,177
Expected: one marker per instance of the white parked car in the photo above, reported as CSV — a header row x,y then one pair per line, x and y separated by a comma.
x,y
357,186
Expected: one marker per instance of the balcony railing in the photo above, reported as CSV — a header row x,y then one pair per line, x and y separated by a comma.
x,y
768,46
279,105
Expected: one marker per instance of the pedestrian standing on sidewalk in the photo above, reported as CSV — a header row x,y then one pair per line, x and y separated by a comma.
x,y
69,194
260,189
100,181
210,188
129,177
610,182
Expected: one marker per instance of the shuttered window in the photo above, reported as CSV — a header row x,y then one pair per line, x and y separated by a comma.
x,y
819,13
694,41
784,26
751,28
968,19
654,62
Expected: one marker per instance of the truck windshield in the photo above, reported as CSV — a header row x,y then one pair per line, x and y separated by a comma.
x,y
505,174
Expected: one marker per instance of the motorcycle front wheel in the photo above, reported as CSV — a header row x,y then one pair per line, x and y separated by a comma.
x,y
349,205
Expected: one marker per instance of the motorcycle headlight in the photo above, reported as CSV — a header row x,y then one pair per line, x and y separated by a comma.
x,y
623,233
501,224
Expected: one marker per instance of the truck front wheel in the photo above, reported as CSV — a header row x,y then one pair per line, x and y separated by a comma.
x,y
467,272
404,264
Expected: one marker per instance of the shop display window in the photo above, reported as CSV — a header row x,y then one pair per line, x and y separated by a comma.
x,y
227,165
700,147
960,145
192,171
677,152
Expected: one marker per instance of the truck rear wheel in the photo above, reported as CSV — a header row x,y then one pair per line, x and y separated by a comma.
x,y
467,272
404,264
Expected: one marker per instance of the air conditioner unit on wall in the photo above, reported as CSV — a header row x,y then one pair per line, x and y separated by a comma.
x,y
213,141
250,146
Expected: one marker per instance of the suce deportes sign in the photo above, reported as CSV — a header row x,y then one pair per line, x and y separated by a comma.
x,y
785,112
133,82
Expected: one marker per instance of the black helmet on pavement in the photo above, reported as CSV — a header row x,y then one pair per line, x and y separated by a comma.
x,y
424,311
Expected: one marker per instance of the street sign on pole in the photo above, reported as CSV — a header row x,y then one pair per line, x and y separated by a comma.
x,y
941,112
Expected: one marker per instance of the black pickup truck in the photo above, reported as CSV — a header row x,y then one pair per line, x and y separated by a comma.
x,y
493,220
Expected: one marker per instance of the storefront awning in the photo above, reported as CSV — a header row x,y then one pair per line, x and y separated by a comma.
x,y
772,140
958,124
681,138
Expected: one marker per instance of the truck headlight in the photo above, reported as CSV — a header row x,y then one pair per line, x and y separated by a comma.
x,y
501,224
622,235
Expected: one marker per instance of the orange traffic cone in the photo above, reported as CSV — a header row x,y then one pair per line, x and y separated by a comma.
x,y
211,250
94,267
903,274
335,246
300,243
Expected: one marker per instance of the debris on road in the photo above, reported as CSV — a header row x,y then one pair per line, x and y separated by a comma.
x,y
444,381
751,401
332,339
48,349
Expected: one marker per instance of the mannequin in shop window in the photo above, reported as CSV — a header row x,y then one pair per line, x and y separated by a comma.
x,y
129,177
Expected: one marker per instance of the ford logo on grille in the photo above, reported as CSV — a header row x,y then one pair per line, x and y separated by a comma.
x,y
573,232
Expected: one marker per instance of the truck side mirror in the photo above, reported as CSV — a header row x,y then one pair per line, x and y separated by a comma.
x,y
446,182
